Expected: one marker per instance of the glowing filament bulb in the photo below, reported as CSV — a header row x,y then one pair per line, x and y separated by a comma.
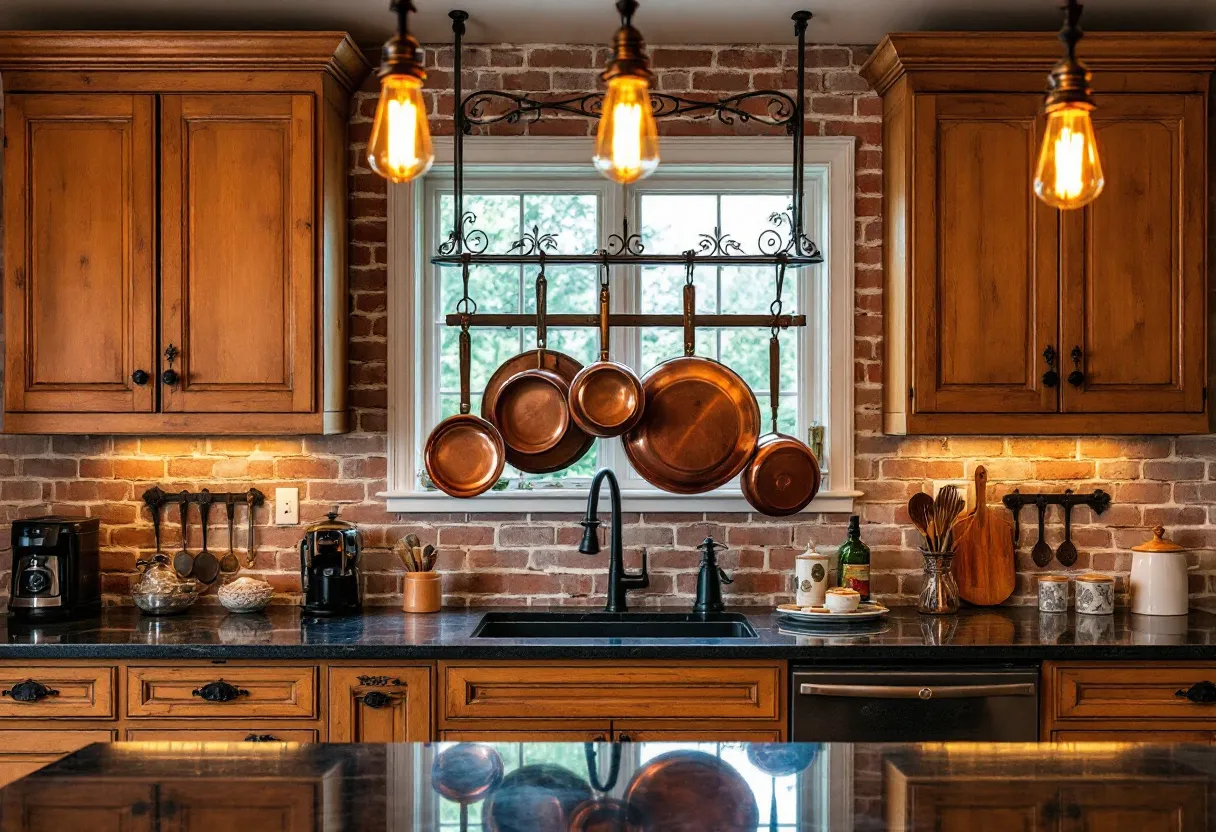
x,y
627,145
1069,172
400,146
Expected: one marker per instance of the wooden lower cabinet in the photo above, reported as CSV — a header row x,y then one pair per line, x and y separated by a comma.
x,y
248,733
1127,702
264,806
24,751
96,807
964,805
379,704
680,700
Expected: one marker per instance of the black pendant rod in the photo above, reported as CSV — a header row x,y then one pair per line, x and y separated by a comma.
x,y
800,18
458,18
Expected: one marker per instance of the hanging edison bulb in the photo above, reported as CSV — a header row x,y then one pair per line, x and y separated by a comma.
x,y
400,147
1069,171
627,143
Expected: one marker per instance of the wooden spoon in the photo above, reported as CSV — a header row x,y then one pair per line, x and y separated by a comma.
x,y
920,509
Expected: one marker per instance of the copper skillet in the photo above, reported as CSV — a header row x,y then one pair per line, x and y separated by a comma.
x,y
531,411
783,476
464,455
606,398
701,422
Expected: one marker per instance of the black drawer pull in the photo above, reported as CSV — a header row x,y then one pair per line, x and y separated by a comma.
x,y
29,691
262,738
1201,693
376,699
219,691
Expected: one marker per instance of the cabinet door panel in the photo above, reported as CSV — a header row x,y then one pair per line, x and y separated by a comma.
x,y
79,248
378,704
1134,807
962,806
984,301
238,297
53,806
531,735
1133,264
267,807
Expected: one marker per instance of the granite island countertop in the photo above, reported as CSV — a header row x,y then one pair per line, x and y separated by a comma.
x,y
1005,634
659,787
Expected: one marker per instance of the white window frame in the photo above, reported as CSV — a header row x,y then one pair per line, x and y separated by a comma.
x,y
829,168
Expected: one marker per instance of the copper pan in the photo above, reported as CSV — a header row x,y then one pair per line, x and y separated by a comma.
x,y
783,476
464,455
574,443
701,420
690,791
531,411
606,398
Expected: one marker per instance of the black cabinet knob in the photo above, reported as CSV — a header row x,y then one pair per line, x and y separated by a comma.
x,y
140,377
375,699
169,377
1201,693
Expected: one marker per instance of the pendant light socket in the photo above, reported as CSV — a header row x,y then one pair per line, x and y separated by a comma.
x,y
628,48
1069,82
402,54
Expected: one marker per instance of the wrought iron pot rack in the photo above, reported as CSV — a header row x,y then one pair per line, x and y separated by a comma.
x,y
783,245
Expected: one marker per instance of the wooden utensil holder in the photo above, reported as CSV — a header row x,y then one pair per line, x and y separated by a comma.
x,y
423,592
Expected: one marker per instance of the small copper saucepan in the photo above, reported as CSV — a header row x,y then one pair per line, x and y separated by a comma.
x,y
783,476
606,398
464,455
531,410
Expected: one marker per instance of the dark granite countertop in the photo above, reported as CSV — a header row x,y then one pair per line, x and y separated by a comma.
x,y
659,787
997,634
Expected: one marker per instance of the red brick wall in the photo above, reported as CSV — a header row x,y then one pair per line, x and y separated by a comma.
x,y
530,558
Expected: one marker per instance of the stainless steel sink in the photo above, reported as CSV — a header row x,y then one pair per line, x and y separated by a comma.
x,y
644,625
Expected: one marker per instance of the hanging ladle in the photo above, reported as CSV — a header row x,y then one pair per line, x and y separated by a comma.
x,y
1041,553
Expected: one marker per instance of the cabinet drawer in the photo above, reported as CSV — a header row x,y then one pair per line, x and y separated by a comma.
x,y
80,692
609,690
236,691
254,733
24,752
1119,691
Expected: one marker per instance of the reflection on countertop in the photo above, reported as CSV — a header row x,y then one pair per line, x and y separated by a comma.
x,y
1001,633
539,787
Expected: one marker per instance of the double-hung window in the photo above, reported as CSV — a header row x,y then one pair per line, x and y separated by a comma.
x,y
729,195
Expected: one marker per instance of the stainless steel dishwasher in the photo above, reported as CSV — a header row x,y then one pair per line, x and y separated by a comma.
x,y
901,704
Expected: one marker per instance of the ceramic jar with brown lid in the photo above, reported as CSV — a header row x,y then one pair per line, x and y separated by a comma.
x,y
1095,594
1053,593
1159,580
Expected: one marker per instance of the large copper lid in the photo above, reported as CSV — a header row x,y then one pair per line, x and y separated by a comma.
x,y
1159,543
331,523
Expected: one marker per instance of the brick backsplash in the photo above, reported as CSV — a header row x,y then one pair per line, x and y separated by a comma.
x,y
531,559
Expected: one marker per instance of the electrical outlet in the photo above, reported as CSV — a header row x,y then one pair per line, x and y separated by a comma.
x,y
286,506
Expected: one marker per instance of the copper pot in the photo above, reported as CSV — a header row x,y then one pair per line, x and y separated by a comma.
x,y
701,420
690,791
464,455
606,398
531,411
783,476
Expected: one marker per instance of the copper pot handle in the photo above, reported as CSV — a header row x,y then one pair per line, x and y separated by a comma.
x,y
774,377
690,333
465,360
542,331
604,332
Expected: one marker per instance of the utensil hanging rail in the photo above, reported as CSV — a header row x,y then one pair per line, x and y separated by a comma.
x,y
513,319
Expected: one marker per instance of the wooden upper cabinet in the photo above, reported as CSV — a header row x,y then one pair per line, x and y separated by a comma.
x,y
1134,267
984,292
990,293
80,252
194,209
238,265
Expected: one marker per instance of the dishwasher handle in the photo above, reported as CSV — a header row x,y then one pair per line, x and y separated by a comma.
x,y
924,692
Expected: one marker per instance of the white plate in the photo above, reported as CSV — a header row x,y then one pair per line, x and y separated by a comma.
x,y
865,612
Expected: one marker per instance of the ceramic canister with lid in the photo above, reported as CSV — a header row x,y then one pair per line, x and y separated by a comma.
x,y
1159,580
1095,594
1053,593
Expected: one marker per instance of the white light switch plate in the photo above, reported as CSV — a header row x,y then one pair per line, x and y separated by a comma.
x,y
286,506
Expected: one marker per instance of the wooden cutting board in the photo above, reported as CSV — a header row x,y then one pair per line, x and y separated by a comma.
x,y
983,551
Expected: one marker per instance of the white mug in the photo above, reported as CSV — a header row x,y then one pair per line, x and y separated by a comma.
x,y
811,579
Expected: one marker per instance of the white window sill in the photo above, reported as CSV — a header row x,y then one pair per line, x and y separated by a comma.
x,y
574,500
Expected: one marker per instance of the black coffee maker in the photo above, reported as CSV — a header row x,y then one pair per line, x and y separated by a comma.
x,y
328,556
56,570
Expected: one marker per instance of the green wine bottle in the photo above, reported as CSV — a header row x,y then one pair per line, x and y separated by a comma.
x,y
853,559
